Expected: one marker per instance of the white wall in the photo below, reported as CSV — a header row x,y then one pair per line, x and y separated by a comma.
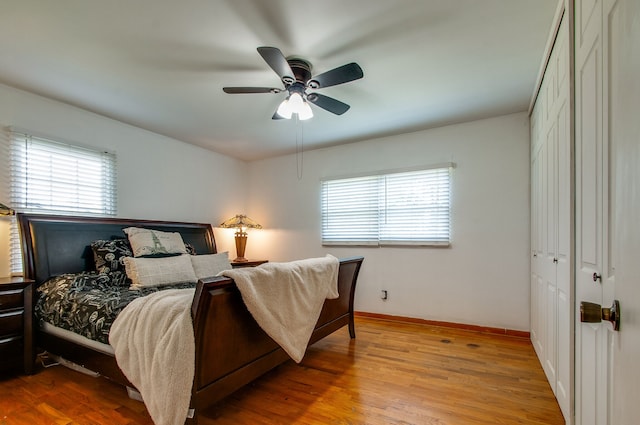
x,y
481,279
158,177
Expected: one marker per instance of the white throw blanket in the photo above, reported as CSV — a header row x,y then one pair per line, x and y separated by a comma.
x,y
154,346
285,299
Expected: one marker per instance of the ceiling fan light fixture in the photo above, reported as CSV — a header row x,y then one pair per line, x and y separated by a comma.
x,y
295,104
285,110
305,112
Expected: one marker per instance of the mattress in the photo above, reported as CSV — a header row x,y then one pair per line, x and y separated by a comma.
x,y
75,338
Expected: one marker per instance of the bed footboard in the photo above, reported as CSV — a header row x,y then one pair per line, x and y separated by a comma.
x,y
232,350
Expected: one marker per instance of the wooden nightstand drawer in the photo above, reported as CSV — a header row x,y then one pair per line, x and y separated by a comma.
x,y
13,298
11,353
10,346
17,348
11,323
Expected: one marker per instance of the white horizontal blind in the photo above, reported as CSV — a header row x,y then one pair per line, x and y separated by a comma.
x,y
350,211
51,177
408,208
15,253
416,207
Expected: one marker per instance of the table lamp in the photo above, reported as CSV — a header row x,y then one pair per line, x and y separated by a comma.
x,y
5,210
240,222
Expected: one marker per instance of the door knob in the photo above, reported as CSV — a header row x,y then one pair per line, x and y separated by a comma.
x,y
594,313
597,277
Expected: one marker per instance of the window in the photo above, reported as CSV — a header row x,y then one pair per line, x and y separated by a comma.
x,y
401,208
58,178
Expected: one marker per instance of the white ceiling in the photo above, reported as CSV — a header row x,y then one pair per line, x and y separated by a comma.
x,y
161,65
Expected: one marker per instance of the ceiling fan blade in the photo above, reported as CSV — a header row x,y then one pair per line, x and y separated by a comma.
x,y
276,60
339,75
328,103
249,90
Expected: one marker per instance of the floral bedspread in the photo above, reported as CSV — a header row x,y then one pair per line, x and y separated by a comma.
x,y
88,303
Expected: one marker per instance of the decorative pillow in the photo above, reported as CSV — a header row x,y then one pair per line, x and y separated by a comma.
x,y
145,272
99,281
147,242
109,254
210,264
119,278
191,250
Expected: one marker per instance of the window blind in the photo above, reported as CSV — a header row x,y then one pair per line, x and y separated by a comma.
x,y
61,178
52,177
404,208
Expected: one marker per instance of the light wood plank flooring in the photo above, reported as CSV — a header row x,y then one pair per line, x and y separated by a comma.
x,y
393,373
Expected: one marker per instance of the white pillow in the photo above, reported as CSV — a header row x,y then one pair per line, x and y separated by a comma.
x,y
145,272
147,242
209,265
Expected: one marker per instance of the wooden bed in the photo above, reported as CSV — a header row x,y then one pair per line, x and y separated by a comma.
x,y
231,349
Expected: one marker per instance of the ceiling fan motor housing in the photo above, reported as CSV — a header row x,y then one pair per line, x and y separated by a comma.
x,y
301,70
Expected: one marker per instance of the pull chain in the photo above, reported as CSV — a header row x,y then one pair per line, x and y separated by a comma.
x,y
299,148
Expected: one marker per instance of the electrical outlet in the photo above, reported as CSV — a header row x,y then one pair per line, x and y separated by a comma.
x,y
384,295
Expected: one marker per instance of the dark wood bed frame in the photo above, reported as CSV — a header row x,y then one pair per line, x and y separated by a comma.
x,y
231,349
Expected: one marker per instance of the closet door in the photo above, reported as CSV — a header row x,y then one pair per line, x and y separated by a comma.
x,y
537,230
564,223
559,209
551,277
549,259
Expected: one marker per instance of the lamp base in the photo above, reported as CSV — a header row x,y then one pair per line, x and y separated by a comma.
x,y
241,244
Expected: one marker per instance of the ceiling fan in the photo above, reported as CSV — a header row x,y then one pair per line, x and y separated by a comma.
x,y
295,74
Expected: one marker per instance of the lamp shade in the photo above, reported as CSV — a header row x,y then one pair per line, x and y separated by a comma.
x,y
284,110
240,221
295,104
305,112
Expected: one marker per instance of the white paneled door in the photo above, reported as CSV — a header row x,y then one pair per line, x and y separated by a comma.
x,y
598,37
624,128
590,337
551,223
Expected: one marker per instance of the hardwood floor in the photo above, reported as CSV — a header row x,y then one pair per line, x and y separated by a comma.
x,y
392,373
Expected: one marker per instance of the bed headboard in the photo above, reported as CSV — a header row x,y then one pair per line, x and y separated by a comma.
x,y
53,244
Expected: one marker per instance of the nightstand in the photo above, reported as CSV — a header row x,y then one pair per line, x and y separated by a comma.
x,y
17,350
250,263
